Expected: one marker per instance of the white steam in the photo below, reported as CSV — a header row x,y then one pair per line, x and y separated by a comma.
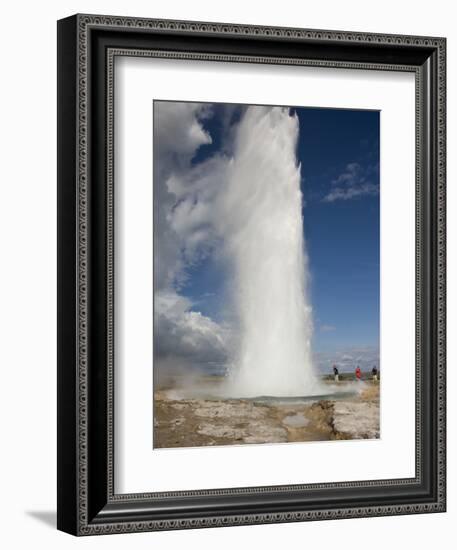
x,y
262,227
244,205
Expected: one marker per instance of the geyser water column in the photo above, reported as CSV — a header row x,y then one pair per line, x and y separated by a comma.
x,y
263,235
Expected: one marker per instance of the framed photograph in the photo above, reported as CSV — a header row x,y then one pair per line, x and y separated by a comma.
x,y
251,274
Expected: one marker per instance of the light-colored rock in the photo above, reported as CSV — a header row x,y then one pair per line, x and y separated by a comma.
x,y
216,430
265,433
224,409
359,420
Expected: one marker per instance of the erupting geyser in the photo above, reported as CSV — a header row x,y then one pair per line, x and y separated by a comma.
x,y
263,233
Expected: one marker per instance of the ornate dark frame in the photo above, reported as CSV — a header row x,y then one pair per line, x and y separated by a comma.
x,y
87,45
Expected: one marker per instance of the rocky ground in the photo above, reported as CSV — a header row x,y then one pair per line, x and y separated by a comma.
x,y
181,421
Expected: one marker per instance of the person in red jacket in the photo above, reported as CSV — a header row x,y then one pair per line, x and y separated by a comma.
x,y
358,374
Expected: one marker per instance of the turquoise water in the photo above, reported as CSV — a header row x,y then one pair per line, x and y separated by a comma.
x,y
296,400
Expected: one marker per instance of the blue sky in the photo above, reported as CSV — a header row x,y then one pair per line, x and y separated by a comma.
x,y
337,150
342,235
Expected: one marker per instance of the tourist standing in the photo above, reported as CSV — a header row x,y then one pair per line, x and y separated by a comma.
x,y
374,373
358,374
336,374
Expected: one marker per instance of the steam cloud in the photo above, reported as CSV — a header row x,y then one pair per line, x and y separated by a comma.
x,y
242,205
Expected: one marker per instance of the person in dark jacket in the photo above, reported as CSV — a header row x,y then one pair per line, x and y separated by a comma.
x,y
374,373
336,374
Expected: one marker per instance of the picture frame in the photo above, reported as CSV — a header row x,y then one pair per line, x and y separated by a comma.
x,y
87,501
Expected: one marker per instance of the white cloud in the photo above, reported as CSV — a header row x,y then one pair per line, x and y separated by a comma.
x,y
352,192
350,175
354,181
178,134
192,216
178,130
183,234
186,334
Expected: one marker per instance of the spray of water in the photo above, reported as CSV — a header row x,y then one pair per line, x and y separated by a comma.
x,y
261,220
